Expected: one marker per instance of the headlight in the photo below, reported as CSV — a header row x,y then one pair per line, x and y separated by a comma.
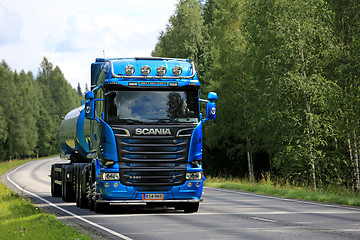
x,y
161,70
129,70
145,70
194,176
177,70
110,176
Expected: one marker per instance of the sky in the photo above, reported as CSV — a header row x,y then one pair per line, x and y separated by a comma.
x,y
71,34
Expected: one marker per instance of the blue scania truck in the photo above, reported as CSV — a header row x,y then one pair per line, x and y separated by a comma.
x,y
138,137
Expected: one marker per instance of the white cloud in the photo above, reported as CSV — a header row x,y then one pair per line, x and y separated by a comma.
x,y
81,35
71,34
10,26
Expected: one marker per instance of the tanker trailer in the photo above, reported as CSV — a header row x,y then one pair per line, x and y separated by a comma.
x,y
74,135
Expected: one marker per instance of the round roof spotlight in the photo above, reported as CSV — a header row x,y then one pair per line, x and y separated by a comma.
x,y
177,70
161,70
129,70
145,70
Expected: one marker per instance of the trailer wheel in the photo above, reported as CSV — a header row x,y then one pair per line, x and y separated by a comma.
x,y
76,177
67,186
55,188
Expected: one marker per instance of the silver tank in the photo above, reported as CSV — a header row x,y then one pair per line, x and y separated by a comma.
x,y
75,132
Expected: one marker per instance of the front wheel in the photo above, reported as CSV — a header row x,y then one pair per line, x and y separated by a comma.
x,y
84,178
91,196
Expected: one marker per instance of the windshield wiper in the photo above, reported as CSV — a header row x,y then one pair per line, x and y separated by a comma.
x,y
164,120
129,120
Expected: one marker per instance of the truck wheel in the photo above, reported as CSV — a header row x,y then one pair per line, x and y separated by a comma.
x,y
189,207
68,194
55,188
90,196
91,204
83,178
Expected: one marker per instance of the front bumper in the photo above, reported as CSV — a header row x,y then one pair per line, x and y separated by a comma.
x,y
115,192
139,202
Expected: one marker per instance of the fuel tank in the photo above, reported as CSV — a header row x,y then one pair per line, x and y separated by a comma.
x,y
74,133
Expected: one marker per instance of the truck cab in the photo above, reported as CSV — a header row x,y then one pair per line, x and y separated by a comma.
x,y
143,134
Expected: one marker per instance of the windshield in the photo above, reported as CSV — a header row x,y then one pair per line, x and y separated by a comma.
x,y
152,106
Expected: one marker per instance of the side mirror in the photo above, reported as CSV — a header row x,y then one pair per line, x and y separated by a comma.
x,y
90,109
212,96
210,110
210,106
89,95
90,105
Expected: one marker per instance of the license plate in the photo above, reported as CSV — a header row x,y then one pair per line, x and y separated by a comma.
x,y
153,196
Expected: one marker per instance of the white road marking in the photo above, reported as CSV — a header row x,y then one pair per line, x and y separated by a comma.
x,y
64,210
263,219
285,199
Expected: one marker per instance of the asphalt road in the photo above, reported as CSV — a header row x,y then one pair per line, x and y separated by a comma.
x,y
224,214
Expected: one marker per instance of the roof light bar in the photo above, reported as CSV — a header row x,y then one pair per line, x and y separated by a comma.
x,y
130,70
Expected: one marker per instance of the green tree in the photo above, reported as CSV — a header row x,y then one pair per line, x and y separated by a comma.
x,y
20,114
345,72
57,98
184,34
233,128
6,102
286,39
31,111
287,75
78,89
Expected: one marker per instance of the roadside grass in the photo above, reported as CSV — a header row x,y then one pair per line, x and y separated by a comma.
x,y
20,219
336,196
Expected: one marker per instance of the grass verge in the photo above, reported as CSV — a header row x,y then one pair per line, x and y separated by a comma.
x,y
20,219
343,197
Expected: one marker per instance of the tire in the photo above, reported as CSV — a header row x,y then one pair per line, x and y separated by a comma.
x,y
76,177
91,186
82,192
68,193
91,201
55,188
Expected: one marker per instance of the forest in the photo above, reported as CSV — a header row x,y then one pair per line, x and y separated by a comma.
x,y
287,74
31,110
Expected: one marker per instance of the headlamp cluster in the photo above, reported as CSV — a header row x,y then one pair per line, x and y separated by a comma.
x,y
109,176
194,175
146,70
